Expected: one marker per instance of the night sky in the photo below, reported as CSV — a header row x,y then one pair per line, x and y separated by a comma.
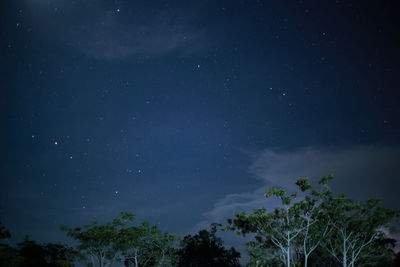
x,y
186,111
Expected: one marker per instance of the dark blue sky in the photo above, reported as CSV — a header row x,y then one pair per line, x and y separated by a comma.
x,y
184,111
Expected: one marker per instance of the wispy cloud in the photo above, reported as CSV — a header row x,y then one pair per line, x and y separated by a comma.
x,y
109,31
111,38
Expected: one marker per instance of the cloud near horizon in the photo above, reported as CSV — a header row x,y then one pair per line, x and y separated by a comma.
x,y
360,172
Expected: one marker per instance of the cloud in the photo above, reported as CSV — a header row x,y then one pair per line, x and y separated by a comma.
x,y
108,37
140,29
360,172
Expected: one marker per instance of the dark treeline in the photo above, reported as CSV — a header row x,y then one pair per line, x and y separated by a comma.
x,y
319,229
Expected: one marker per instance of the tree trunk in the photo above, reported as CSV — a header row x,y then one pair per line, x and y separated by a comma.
x,y
136,261
288,250
91,257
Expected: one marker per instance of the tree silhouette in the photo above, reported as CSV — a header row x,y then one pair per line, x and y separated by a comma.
x,y
206,249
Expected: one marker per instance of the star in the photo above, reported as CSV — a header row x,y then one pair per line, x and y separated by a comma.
x,y
118,10
55,142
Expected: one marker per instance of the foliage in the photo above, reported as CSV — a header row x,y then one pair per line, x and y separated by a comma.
x,y
206,249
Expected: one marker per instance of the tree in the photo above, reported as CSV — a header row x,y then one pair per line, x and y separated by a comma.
x,y
356,227
295,228
99,241
397,260
309,209
146,245
263,254
60,255
9,256
348,231
379,253
280,227
30,254
206,249
4,233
